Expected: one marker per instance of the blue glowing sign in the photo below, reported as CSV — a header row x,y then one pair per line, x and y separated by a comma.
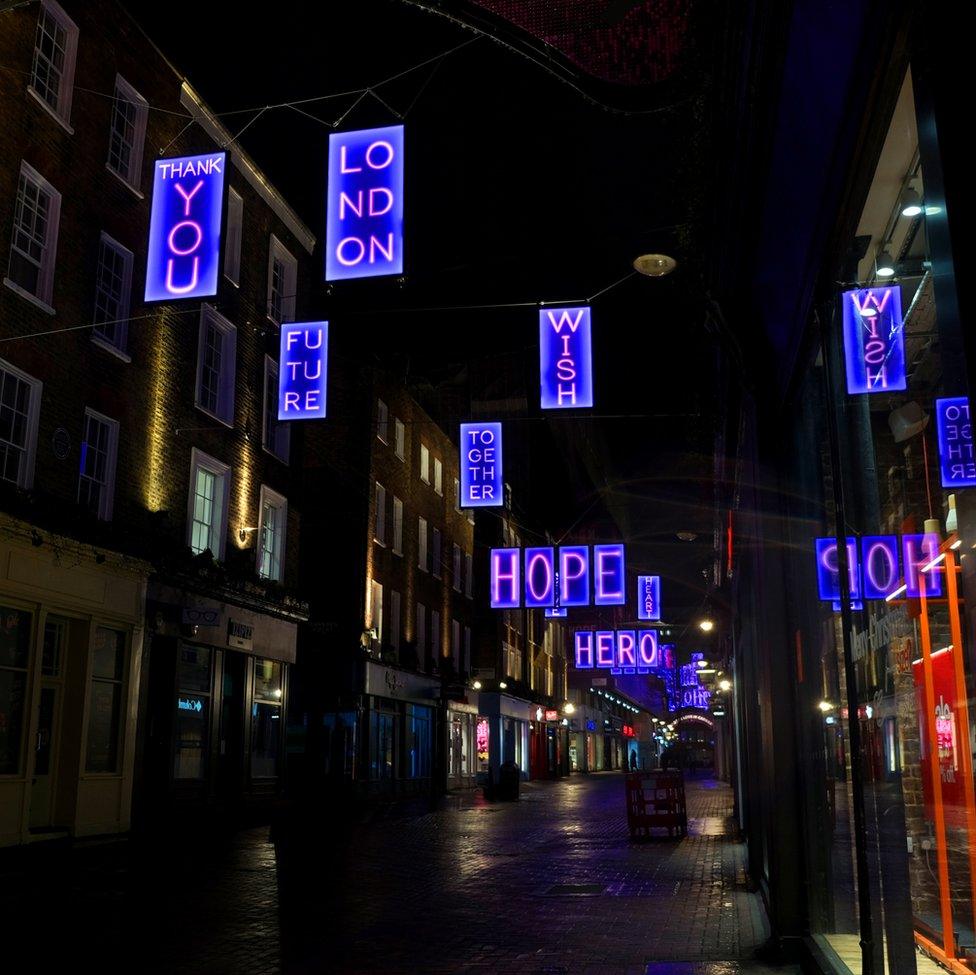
x,y
481,465
584,649
505,587
880,565
920,558
648,597
540,577
828,574
574,575
608,575
565,358
605,648
955,442
626,655
874,340
303,369
189,704
556,613
183,258
648,651
364,210
591,725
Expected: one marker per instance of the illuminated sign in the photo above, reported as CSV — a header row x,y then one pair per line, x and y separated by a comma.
x,y
620,651
828,573
886,566
648,597
552,715
955,434
556,613
605,648
591,725
540,577
481,465
625,657
584,650
364,209
648,651
880,566
874,340
565,358
608,575
183,257
303,368
574,575
189,704
481,738
920,553
628,731
505,578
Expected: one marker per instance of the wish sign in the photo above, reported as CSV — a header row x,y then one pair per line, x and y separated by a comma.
x,y
481,466
955,433
303,370
364,208
183,258
874,340
565,358
648,597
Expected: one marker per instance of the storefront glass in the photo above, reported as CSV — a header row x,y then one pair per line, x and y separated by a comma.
x,y
418,741
192,712
381,726
15,627
266,719
105,700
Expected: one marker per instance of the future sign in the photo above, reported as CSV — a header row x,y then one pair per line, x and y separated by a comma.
x,y
874,340
481,466
619,651
565,358
303,367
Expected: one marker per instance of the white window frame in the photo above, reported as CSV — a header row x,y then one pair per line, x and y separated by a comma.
x,y
107,499
468,570
397,526
422,558
424,464
45,277
436,552
220,470
133,176
276,249
382,422
282,430
125,299
233,237
456,567
376,610
25,476
279,501
228,365
62,113
379,521
438,477
399,438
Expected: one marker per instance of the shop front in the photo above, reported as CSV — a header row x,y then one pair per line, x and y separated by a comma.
x,y
462,745
505,722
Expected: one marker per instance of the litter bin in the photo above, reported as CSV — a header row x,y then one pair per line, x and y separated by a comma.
x,y
509,776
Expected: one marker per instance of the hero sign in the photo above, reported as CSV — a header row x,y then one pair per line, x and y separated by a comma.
x,y
955,442
183,258
481,466
565,358
874,340
364,212
303,370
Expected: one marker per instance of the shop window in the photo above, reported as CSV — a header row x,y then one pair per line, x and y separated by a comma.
x,y
381,744
20,404
266,719
34,240
96,478
282,282
128,134
105,700
272,530
193,709
418,742
53,70
275,435
15,635
113,284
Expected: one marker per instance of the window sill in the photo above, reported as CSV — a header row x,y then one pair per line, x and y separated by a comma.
x,y
138,194
236,284
213,416
33,299
376,541
111,349
271,453
50,111
398,554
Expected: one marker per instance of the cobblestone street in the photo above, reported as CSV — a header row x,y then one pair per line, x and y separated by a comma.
x,y
547,886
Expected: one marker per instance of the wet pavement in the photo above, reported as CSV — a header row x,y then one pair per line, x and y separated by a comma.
x,y
551,885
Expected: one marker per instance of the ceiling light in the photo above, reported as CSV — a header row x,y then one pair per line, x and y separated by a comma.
x,y
706,626
825,706
687,536
654,265
911,203
884,265
725,685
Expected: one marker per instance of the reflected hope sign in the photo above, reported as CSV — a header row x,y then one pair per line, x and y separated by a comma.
x,y
874,340
481,466
955,431
303,367
884,566
183,256
565,358
364,206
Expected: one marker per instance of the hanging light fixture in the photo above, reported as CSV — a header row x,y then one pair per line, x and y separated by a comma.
x,y
884,264
911,203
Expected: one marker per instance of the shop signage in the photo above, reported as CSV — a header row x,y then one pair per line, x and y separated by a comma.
x,y
648,597
955,434
481,738
189,704
591,725
364,204
619,651
552,715
195,616
874,340
565,358
183,257
628,731
303,367
240,635
481,465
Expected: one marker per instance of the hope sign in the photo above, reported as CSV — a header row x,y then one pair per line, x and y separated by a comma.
x,y
183,258
303,370
481,465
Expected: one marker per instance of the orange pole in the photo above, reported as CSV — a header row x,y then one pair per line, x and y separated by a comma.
x,y
948,941
962,710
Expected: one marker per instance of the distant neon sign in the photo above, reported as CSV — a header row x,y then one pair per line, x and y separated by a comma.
x,y
608,575
540,577
303,368
619,651
583,641
506,588
183,256
364,208
648,597
874,340
574,575
552,715
606,656
565,358
481,465
955,432
189,704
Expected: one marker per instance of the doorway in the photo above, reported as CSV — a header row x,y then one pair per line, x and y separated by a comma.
x,y
47,724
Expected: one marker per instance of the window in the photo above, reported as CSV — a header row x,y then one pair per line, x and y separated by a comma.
x,y
282,282
113,284
422,543
418,742
207,518
457,495
52,74
382,421
193,689
379,534
395,621
128,135
436,553
376,611
424,464
456,644
468,568
105,700
20,403
96,477
421,635
466,659
34,240
456,568
266,719
397,526
232,244
381,745
435,636
272,530
216,365
275,435
398,438
15,636
438,477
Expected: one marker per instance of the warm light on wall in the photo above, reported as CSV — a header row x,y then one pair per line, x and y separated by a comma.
x,y
158,423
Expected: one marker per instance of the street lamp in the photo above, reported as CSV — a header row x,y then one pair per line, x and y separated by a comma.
x,y
477,685
568,707
725,685
706,626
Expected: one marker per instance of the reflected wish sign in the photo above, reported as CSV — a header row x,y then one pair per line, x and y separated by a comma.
x,y
303,368
874,340
955,432
183,256
565,358
364,205
481,465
